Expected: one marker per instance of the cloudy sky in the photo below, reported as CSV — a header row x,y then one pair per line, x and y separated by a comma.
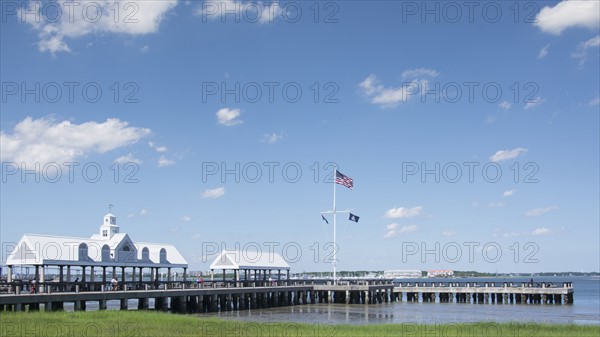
x,y
471,129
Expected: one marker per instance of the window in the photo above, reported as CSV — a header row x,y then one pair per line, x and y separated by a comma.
x,y
105,233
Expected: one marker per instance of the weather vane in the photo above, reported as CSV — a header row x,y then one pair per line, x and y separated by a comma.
x,y
110,206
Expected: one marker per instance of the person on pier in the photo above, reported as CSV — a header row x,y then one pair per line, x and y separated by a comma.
x,y
115,284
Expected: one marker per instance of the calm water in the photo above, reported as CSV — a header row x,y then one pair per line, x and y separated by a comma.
x,y
585,310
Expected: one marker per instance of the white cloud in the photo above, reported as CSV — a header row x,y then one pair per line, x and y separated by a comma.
x,y
213,193
195,236
544,51
143,211
130,215
145,49
185,218
540,211
419,72
46,141
273,137
593,42
541,231
449,233
533,103
388,97
95,17
508,154
582,49
129,158
162,162
496,204
253,11
569,13
229,117
393,230
157,148
595,101
403,212
504,105
508,193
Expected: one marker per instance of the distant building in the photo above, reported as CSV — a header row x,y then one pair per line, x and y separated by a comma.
x,y
440,273
109,248
402,274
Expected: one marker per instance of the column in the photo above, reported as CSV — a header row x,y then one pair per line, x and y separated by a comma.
x,y
9,277
184,275
61,278
122,277
69,274
92,278
42,279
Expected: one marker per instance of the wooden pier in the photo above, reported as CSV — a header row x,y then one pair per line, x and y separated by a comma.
x,y
190,297
485,292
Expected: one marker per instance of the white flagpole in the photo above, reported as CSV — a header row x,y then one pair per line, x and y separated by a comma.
x,y
334,228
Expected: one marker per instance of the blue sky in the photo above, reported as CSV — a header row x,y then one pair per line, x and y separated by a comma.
x,y
383,89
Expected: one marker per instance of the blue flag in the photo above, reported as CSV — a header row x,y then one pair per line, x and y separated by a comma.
x,y
354,218
322,217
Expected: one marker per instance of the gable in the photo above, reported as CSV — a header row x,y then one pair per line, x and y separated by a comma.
x,y
23,253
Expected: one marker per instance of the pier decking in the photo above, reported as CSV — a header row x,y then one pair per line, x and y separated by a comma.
x,y
226,296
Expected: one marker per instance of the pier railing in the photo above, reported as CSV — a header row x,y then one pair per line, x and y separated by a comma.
x,y
26,286
484,284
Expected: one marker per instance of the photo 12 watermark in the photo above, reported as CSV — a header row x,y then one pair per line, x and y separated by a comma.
x,y
70,92
449,12
51,12
469,252
270,92
266,172
72,328
264,12
70,172
260,329
488,329
471,172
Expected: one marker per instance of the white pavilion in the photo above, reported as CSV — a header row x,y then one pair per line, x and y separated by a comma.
x,y
262,265
108,249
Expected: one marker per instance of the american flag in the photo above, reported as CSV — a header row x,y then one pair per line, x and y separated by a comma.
x,y
343,180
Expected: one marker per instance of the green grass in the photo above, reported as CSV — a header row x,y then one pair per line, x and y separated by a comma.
x,y
149,323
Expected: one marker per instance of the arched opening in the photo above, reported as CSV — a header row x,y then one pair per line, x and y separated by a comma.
x,y
105,253
83,252
145,254
163,255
